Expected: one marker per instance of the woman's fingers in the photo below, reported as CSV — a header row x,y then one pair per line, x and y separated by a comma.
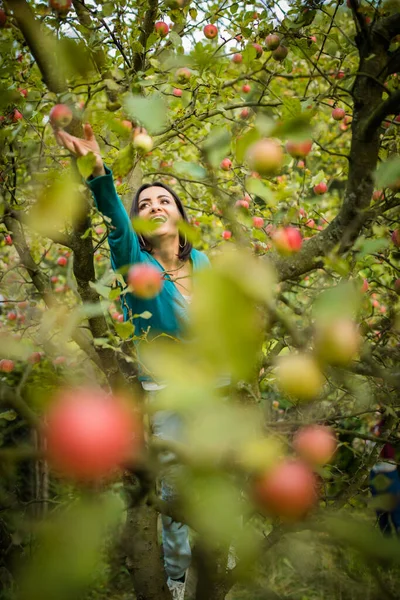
x,y
88,132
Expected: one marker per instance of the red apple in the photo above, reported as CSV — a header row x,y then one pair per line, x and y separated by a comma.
x,y
258,222
35,358
365,286
337,341
3,18
8,240
246,88
6,365
299,149
60,115
210,31
258,50
316,444
226,234
237,58
162,29
265,156
12,316
226,164
338,114
90,434
54,279
127,124
62,261
143,142
288,490
287,240
313,38
377,195
244,113
16,116
320,188
396,237
299,376
280,53
183,75
146,280
23,92
272,41
242,204
340,75
60,6
177,92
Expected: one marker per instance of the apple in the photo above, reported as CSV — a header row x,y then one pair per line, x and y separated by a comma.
x,y
127,124
210,31
299,376
62,261
54,279
301,164
35,358
287,240
280,53
340,75
246,88
8,240
338,114
242,204
310,223
61,6
337,341
299,149
16,116
244,113
377,195
237,58
60,115
316,444
287,490
6,365
3,18
143,142
177,92
258,222
258,49
183,75
265,156
272,41
23,92
162,28
365,286
320,188
396,286
90,434
396,237
12,316
227,235
146,280
226,164
313,38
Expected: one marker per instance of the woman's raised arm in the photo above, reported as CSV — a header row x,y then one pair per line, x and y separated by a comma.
x,y
123,241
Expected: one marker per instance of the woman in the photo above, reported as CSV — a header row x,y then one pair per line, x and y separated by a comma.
x,y
172,254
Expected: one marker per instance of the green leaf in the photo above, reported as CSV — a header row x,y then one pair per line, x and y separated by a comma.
x,y
257,187
192,233
175,39
366,247
190,168
388,172
145,315
244,141
123,162
124,330
141,225
101,289
150,111
86,164
297,128
217,145
114,293
8,415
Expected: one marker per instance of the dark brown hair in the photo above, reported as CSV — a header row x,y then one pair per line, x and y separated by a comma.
x,y
185,246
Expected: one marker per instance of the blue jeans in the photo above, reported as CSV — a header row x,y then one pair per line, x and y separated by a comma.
x,y
167,425
387,485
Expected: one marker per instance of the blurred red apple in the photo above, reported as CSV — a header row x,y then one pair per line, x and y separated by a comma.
x,y
6,365
226,234
265,156
320,188
226,164
299,376
210,31
299,149
146,280
337,341
316,444
237,58
162,28
60,115
272,41
338,114
287,240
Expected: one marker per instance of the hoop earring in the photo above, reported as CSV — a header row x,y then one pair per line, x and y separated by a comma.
x,y
184,243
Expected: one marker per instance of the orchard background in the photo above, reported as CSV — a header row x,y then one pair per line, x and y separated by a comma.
x,y
204,101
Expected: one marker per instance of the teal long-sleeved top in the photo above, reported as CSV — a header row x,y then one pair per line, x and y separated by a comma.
x,y
168,309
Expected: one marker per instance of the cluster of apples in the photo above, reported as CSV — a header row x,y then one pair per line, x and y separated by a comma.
x,y
336,342
290,488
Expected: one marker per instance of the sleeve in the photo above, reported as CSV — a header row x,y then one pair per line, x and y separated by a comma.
x,y
122,239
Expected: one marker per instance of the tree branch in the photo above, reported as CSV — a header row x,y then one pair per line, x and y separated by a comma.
x,y
148,28
390,106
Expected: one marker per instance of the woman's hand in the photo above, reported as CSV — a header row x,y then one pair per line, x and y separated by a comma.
x,y
81,147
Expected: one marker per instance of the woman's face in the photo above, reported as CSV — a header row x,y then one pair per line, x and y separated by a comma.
x,y
158,205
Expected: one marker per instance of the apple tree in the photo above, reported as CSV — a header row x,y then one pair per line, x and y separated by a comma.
x,y
278,124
